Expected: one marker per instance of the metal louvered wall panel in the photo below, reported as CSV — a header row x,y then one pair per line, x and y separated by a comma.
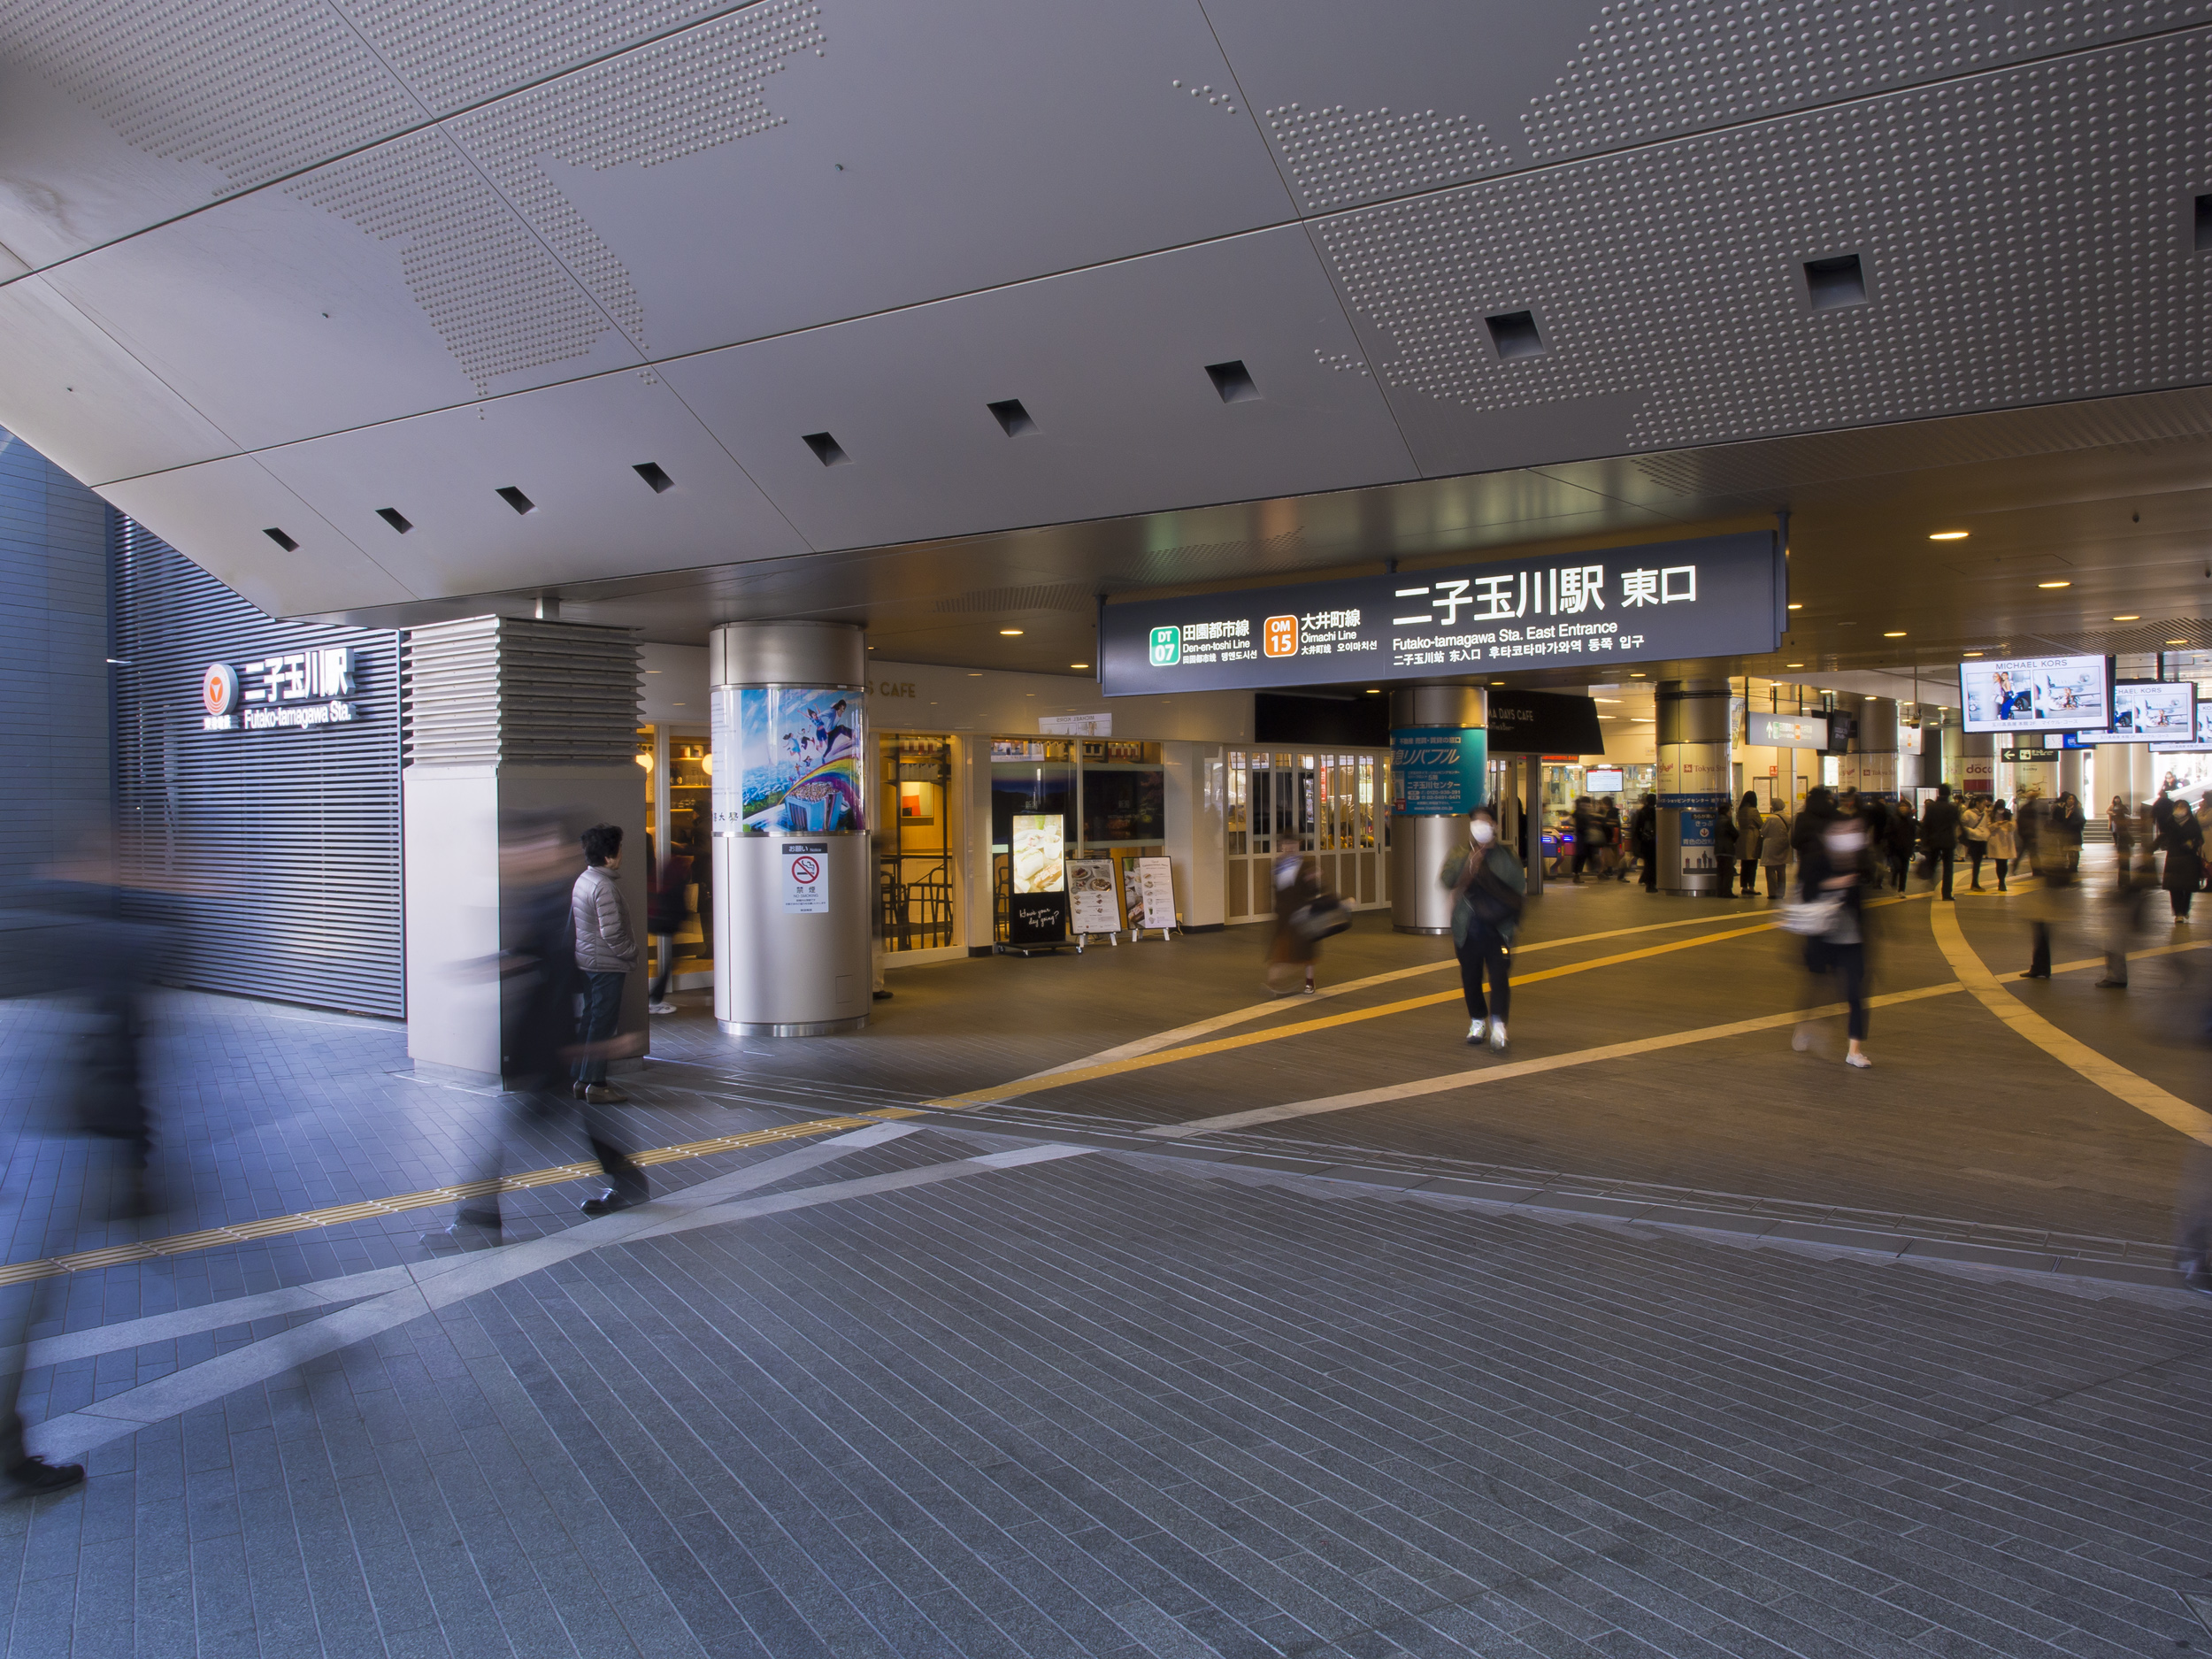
x,y
275,853
494,691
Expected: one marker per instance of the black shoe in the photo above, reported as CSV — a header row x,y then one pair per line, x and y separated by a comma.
x,y
35,1476
610,1202
883,997
2031,973
576,1091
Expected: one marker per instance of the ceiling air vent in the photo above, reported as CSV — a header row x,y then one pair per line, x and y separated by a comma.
x,y
825,449
1833,283
281,540
1011,416
516,499
1232,381
394,518
1514,335
650,471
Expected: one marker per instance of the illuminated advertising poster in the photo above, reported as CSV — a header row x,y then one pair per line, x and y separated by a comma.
x,y
2203,740
1039,846
1715,597
2153,710
798,761
2037,694
1438,771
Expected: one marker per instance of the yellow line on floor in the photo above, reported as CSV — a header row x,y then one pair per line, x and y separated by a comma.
x,y
1222,1045
1276,1005
2108,1075
1498,1073
364,1210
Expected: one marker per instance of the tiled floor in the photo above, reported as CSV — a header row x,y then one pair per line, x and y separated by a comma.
x,y
922,1391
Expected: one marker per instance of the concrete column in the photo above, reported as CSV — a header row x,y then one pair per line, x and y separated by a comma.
x,y
794,883
1875,748
1694,778
1429,726
519,736
2070,780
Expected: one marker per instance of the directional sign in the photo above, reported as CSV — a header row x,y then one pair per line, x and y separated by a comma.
x,y
1715,596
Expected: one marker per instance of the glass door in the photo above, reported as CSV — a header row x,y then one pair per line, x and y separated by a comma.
x,y
914,841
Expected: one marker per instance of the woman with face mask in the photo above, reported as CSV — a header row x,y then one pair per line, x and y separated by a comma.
x,y
1832,866
1486,883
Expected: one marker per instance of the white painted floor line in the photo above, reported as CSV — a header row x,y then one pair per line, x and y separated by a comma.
x,y
70,1436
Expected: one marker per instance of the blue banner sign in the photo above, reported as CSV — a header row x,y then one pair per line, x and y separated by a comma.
x,y
1715,596
1437,771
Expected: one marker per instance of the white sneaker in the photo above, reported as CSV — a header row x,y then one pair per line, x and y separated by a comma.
x,y
660,1008
1497,1035
1859,1060
1802,1039
1477,1030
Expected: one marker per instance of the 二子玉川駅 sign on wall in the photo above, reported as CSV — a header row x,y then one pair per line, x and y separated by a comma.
x,y
1715,597
298,688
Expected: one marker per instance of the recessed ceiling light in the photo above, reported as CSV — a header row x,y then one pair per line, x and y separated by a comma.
x,y
1079,664
1792,665
2054,584
1636,676
2127,619
1947,536
1605,699
1374,691
1894,633
1972,653
1497,683
1011,634
1797,607
2176,641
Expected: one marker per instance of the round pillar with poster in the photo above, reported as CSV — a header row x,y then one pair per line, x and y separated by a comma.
x,y
1439,755
792,874
1692,776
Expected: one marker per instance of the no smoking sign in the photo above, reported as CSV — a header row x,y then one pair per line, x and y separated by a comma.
x,y
805,878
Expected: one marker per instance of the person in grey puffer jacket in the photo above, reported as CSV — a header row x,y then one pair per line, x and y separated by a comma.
x,y
606,951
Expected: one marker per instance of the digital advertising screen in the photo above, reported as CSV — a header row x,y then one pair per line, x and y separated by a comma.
x,y
1603,780
2037,694
2152,711
2203,739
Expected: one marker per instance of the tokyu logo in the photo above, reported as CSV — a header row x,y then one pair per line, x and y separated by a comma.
x,y
1167,647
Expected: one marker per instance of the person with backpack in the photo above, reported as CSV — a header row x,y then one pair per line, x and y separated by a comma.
x,y
1488,887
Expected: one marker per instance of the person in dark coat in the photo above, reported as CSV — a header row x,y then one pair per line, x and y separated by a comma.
x,y
1486,883
1725,848
1747,828
1644,830
2185,860
667,909
1832,864
1939,833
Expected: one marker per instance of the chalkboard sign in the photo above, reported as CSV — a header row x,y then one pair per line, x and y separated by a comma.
x,y
1037,919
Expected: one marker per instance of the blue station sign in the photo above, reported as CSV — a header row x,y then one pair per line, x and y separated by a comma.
x,y
1715,596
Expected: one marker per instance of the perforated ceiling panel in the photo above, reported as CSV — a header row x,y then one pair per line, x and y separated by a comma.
x,y
454,52
2024,235
496,295
701,88
254,88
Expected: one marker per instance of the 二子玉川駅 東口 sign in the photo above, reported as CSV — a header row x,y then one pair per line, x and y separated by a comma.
x,y
1715,596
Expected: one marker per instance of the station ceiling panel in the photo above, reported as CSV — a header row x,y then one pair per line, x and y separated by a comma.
x,y
589,510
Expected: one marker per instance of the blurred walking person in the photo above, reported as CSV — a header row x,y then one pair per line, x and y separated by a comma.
x,y
2003,839
2068,823
1974,816
2185,860
1292,953
537,983
1644,831
1831,868
1900,835
665,913
2122,824
1488,887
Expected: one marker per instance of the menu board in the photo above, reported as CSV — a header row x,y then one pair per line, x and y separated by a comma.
x,y
1091,899
1155,892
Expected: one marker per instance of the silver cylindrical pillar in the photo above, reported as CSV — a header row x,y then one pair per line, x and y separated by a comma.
x,y
1872,768
1694,783
794,883
1439,750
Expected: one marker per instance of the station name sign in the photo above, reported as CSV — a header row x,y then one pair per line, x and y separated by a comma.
x,y
296,689
1715,596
